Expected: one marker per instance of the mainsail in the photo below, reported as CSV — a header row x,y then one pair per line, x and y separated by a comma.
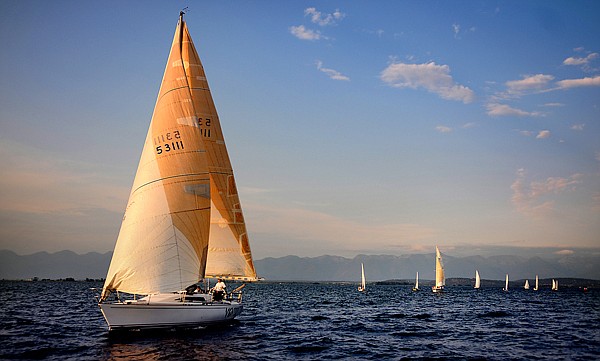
x,y
477,279
183,220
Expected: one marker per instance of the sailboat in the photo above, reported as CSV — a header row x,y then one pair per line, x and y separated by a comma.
x,y
416,288
440,279
363,280
506,284
554,285
536,283
477,280
526,285
183,222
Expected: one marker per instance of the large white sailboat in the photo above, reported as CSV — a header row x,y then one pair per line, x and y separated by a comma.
x,y
363,280
416,287
506,284
477,280
440,279
183,222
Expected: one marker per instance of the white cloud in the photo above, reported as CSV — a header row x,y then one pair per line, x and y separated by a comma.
x,y
543,134
575,83
580,61
324,19
503,110
331,73
554,105
430,76
305,34
535,199
443,129
528,83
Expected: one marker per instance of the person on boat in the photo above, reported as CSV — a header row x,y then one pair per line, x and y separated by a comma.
x,y
219,290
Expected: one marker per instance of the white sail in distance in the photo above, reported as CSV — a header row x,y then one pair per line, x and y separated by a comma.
x,y
440,279
477,279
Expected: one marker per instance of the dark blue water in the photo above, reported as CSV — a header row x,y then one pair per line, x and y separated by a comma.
x,y
61,321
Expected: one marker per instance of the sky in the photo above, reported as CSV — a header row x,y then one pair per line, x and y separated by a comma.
x,y
354,127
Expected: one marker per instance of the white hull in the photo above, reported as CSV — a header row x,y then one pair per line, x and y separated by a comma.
x,y
168,314
437,289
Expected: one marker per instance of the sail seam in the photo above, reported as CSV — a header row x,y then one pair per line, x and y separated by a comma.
x,y
171,177
170,90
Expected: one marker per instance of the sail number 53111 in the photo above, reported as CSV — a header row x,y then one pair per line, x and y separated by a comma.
x,y
168,142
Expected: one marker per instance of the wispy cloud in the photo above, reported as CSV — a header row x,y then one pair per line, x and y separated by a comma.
x,y
302,33
573,60
330,230
457,30
543,134
534,199
430,76
443,129
322,19
584,62
29,173
576,83
577,126
504,110
331,73
529,83
50,202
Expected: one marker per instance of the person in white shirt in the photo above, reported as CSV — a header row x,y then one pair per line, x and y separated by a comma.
x,y
219,290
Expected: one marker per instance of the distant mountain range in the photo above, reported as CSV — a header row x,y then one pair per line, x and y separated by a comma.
x,y
66,264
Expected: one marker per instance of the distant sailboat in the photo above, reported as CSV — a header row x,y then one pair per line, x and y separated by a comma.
x,y
477,280
536,283
183,221
506,284
554,285
416,288
363,281
526,285
440,279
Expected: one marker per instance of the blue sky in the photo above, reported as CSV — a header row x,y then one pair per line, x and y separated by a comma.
x,y
353,126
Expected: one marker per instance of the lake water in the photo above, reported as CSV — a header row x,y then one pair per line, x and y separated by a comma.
x,y
303,321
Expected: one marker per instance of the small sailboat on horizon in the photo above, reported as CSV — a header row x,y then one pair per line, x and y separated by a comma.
x,y
506,284
477,280
536,283
363,280
416,287
554,285
526,285
440,279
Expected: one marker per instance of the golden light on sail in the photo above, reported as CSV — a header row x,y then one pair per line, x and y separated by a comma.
x,y
166,241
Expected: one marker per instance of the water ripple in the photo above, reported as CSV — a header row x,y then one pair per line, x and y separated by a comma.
x,y
307,321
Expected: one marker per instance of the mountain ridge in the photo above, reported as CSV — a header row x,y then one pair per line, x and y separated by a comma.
x,y
68,264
